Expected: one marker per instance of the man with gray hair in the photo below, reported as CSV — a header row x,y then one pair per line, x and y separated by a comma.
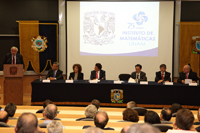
x,y
90,112
131,104
187,73
13,57
142,128
93,130
55,73
55,127
49,113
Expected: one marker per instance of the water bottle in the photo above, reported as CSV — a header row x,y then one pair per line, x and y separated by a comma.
x,y
40,78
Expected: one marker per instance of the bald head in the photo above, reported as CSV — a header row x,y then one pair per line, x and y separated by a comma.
x,y
50,112
27,121
3,116
186,69
101,119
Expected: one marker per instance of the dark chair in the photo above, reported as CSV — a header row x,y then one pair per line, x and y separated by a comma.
x,y
163,127
40,111
166,122
124,77
85,119
2,124
196,123
174,115
43,125
141,111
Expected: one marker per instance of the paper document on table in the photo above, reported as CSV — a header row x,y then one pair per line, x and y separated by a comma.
x,y
131,80
187,81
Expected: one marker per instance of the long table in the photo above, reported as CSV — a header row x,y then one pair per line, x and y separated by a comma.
x,y
83,91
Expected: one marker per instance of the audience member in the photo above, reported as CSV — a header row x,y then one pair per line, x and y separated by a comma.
x,y
165,115
4,116
100,120
143,128
152,117
138,74
90,112
55,127
98,73
174,108
45,103
96,103
93,130
125,129
27,123
130,115
131,104
184,122
11,109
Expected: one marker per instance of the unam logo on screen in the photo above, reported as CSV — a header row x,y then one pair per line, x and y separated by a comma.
x,y
140,18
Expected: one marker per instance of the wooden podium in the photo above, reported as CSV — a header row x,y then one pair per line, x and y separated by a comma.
x,y
13,84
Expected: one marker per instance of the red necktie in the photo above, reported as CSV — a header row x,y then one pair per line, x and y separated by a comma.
x,y
13,60
162,75
186,75
97,75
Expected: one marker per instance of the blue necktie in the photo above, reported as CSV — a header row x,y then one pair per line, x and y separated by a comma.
x,y
54,74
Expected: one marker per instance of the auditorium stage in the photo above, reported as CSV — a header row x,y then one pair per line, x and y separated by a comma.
x,y
82,92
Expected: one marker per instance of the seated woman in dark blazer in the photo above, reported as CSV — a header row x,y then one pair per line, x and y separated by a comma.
x,y
76,75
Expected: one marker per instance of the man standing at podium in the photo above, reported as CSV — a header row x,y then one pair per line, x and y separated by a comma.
x,y
13,57
55,73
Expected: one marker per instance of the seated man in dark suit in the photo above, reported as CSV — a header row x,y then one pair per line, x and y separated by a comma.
x,y
162,76
100,120
187,74
97,73
138,74
55,73
13,57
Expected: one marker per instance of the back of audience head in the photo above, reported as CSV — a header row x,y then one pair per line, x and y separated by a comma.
x,y
4,116
93,130
175,107
131,104
184,119
165,114
198,114
152,117
11,108
47,102
90,111
130,115
101,119
143,128
26,122
96,103
125,129
55,127
50,111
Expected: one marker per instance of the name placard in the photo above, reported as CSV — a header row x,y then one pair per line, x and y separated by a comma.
x,y
46,81
118,82
69,81
192,84
169,83
93,81
143,82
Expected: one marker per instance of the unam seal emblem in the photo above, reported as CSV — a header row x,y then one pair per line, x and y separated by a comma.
x,y
39,43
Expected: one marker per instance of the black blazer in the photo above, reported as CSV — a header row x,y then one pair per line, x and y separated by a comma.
x,y
8,59
192,75
58,74
80,76
142,76
102,75
159,77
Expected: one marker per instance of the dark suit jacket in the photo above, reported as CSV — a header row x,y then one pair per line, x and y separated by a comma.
x,y
58,74
8,59
192,75
80,76
142,76
159,77
102,75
